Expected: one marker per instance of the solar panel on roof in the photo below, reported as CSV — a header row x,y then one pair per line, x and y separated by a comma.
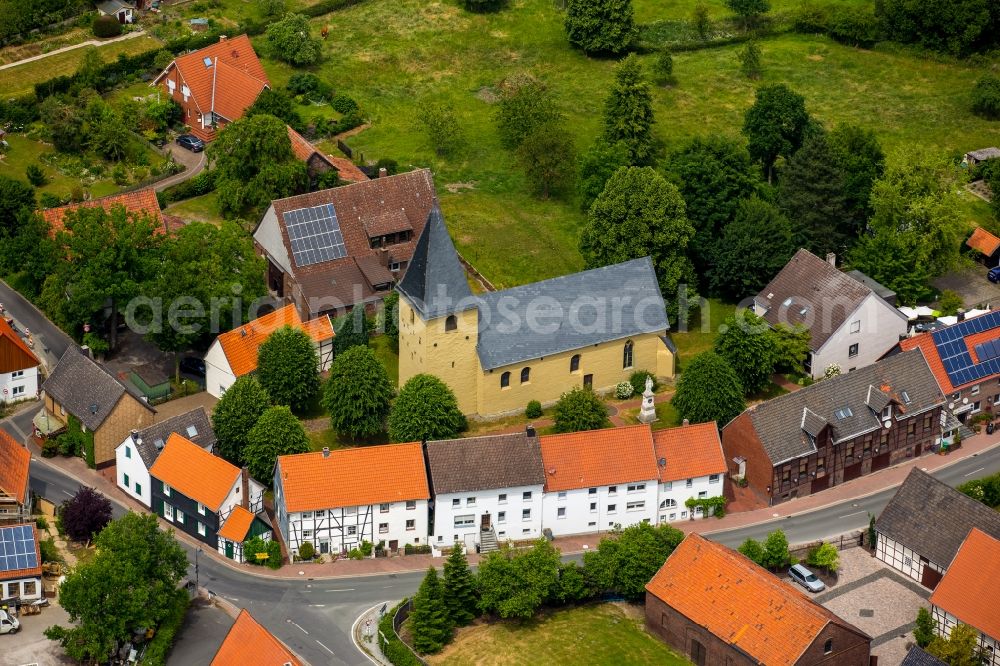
x,y
17,548
314,235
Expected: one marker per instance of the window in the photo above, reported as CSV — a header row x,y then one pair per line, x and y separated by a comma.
x,y
668,504
906,397
689,483
954,396
526,496
593,507
456,502
852,351
166,491
411,524
975,390
856,326
321,513
307,534
803,467
574,363
411,504
470,501
502,499
525,514
562,494
525,375
168,511
786,474
465,521
636,487
505,380
843,413
911,427
501,516
352,530
612,490
126,483
669,485
627,355
17,390
592,523
526,530
201,529
591,491
138,488
887,412
684,514
383,508
976,407
201,508
611,508
394,266
17,374
451,323
850,451
713,478
128,454
309,514
820,463
383,528
29,588
179,515
673,516
702,494
828,646
561,512
635,506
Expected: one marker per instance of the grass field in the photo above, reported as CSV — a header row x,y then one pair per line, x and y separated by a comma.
x,y
198,209
610,634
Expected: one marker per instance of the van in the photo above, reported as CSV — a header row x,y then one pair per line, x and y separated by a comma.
x,y
806,578
8,623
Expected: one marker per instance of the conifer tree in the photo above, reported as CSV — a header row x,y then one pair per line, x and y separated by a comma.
x,y
459,588
628,111
429,620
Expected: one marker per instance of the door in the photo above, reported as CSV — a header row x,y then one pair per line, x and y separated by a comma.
x,y
588,381
229,549
916,451
881,461
852,472
484,523
929,577
393,546
819,484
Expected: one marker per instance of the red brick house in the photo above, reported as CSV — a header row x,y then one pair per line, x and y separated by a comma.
x,y
137,203
718,608
215,85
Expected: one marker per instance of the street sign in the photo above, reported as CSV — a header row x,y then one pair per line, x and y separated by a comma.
x,y
262,556
381,611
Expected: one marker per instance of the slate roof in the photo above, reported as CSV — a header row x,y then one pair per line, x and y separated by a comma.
x,y
609,456
249,643
880,289
741,603
970,588
812,284
485,463
194,472
140,202
435,282
629,288
983,241
154,438
933,519
86,389
782,424
689,451
15,461
917,657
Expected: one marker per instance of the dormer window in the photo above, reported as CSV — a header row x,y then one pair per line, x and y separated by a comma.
x,y
887,413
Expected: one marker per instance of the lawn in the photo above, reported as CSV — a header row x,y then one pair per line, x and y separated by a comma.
x,y
701,330
198,209
609,634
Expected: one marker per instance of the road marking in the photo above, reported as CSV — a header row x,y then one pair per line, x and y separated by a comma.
x,y
343,589
317,605
854,514
300,627
325,647
975,471
388,587
67,493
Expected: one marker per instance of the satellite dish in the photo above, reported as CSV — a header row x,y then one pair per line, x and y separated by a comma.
x,y
887,424
951,405
965,401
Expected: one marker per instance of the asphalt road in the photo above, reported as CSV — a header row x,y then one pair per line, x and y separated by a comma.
x,y
49,340
314,617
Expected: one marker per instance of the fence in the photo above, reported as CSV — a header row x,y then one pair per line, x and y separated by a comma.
x,y
847,540
398,618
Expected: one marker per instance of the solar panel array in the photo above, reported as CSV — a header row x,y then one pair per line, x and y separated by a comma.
x,y
954,352
17,548
314,234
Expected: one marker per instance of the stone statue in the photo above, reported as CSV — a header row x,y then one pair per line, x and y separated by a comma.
x,y
647,413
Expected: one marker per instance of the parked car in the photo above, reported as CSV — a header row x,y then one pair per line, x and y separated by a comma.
x,y
8,623
994,274
191,142
193,366
806,578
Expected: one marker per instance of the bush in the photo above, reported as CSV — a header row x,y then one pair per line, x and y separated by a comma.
x,y
422,549
534,410
49,551
986,97
624,390
309,85
35,175
50,448
201,184
663,69
825,556
638,381
949,302
307,551
106,26
158,648
392,647
855,26
580,409
42,523
344,104
811,18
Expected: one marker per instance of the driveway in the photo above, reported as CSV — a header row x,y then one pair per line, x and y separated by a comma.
x,y
971,284
193,163
205,627
30,646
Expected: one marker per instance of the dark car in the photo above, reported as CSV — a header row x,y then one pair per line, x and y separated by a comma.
x,y
193,366
191,142
994,274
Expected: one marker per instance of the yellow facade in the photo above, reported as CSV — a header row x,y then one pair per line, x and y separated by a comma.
x,y
428,347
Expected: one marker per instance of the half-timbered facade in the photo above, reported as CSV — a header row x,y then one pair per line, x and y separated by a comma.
x,y
336,500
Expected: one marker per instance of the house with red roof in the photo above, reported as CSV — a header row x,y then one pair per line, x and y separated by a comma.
x,y
18,366
234,353
249,643
20,563
692,466
968,593
15,495
718,608
986,245
138,203
215,85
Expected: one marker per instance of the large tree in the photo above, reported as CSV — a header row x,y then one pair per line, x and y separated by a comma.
x,y
31,254
714,174
953,26
130,582
743,264
775,126
626,560
525,104
460,593
15,196
580,409
709,390
358,394
276,433
290,40
430,623
640,214
63,123
288,367
237,411
600,26
425,409
85,514
749,11
595,168
277,103
254,164
628,111
748,345
515,584
547,155
862,162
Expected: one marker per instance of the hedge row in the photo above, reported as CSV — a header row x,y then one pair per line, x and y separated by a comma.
x,y
201,184
394,649
158,649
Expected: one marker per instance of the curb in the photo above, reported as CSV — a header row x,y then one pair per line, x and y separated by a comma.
x,y
354,634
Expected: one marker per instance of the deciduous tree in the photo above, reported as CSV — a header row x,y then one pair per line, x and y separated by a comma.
x,y
430,622
85,514
290,40
748,346
986,97
961,648
15,197
425,409
743,265
596,166
276,433
275,103
862,162
825,556
358,394
776,553
775,125
288,367
749,11
600,26
628,558
709,390
236,413
628,111
547,155
924,632
580,409
525,104
515,584
443,131
753,550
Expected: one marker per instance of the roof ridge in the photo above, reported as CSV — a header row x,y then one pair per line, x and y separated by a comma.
x,y
340,188
559,278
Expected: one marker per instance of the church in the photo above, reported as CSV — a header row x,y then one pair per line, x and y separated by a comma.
x,y
499,350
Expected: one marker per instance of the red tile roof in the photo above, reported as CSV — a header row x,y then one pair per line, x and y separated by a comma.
x,y
139,202
598,458
30,572
689,451
354,477
249,643
739,602
237,525
970,588
348,170
303,149
14,352
983,241
240,345
925,343
194,472
14,463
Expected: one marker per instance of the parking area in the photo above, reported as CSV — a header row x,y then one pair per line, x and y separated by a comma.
x,y
971,284
878,600
30,646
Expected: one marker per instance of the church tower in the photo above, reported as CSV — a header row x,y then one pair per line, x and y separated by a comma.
x,y
438,318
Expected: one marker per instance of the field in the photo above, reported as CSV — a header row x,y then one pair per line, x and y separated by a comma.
x,y
609,634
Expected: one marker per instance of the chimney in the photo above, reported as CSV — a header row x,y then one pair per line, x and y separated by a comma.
x,y
222,38
326,451
685,422
831,258
382,172
135,435
383,256
245,482
961,314
87,351
530,430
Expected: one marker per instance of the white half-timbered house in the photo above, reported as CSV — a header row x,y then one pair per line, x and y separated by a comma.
x,y
692,466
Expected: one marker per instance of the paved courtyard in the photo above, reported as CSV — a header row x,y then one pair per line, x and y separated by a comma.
x,y
878,600
971,284
30,646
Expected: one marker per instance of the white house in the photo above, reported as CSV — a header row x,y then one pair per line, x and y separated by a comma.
x,y
137,452
18,367
692,466
851,324
336,500
20,562
599,479
486,489
125,13
969,591
234,353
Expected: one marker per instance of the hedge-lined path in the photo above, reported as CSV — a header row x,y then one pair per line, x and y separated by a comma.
x,y
90,42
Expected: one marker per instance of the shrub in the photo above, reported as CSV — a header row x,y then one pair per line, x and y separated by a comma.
x,y
624,390
855,26
825,556
663,69
158,648
580,409
201,184
638,381
49,551
811,17
343,104
986,97
307,551
923,633
50,448
534,410
69,444
42,523
106,26
483,6
35,175
949,302
394,649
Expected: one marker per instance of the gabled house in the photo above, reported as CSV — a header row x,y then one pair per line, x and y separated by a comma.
x,y
597,479
486,489
139,203
20,563
105,408
137,453
249,643
123,12
718,608
335,500
234,353
691,465
924,525
850,325
986,245
18,366
201,493
968,593
15,495
316,162
837,429
215,85
343,247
